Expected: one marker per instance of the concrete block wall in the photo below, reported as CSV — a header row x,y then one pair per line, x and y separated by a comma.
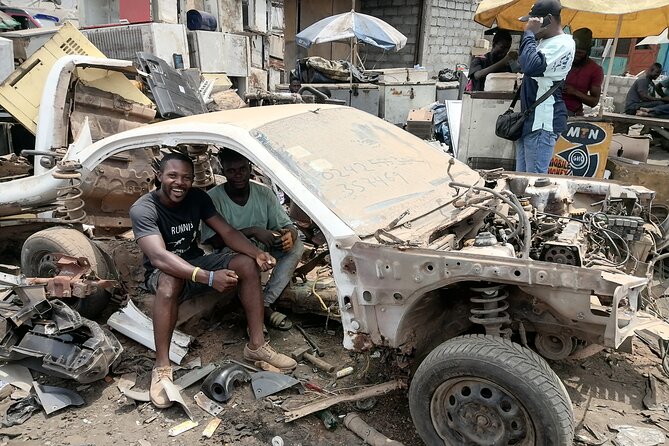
x,y
449,33
404,15
618,88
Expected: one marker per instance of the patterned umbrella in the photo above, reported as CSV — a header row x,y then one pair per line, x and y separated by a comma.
x,y
352,25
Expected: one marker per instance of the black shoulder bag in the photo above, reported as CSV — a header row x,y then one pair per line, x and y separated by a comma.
x,y
510,124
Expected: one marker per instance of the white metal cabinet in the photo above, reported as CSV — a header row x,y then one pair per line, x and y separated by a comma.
x,y
398,99
478,146
163,40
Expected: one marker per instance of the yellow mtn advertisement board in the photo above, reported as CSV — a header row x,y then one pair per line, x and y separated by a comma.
x,y
582,149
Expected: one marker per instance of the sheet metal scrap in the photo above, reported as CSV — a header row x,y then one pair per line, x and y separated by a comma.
x,y
54,398
50,337
136,325
269,383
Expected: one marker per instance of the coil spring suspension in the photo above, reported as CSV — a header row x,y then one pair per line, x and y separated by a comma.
x,y
68,197
492,314
201,166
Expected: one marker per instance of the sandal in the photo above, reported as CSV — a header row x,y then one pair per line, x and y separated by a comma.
x,y
278,320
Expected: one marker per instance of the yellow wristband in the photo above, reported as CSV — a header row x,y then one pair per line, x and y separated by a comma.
x,y
192,278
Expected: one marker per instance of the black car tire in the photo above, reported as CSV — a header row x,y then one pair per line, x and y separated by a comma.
x,y
479,389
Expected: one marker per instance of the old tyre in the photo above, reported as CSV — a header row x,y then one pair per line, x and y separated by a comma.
x,y
37,260
485,390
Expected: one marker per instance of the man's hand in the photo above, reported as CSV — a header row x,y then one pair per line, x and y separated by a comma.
x,y
534,24
265,261
287,240
511,55
264,236
225,280
570,90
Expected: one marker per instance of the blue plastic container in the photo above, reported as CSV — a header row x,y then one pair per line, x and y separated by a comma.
x,y
200,21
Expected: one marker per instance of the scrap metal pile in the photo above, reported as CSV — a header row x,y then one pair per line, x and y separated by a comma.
x,y
43,333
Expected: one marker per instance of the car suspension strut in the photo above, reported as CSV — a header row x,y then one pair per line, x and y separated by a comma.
x,y
68,197
492,312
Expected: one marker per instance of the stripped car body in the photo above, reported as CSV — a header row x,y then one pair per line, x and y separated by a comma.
x,y
424,249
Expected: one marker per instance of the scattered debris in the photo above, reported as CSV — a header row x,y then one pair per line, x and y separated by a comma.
x,y
277,441
373,391
328,419
208,431
19,411
17,375
657,393
54,398
370,435
181,383
59,341
221,382
269,383
266,366
637,436
74,279
131,322
306,353
181,428
246,366
174,394
366,404
344,372
207,404
127,381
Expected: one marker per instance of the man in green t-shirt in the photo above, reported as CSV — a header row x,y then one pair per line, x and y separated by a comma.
x,y
254,209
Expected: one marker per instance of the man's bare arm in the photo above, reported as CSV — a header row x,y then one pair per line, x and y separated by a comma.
x,y
154,248
233,238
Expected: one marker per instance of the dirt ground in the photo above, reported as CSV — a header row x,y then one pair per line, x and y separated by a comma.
x,y
606,390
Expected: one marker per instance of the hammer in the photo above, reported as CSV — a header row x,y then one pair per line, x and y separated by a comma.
x,y
306,353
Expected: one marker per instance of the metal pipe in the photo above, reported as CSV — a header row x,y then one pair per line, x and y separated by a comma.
x,y
609,70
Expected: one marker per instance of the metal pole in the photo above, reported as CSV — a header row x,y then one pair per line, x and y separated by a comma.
x,y
609,70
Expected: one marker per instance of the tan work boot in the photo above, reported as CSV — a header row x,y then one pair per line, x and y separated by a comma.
x,y
157,392
269,355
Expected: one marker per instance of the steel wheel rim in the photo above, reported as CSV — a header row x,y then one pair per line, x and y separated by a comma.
x,y
470,410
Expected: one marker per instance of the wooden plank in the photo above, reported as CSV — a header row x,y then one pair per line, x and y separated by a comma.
x,y
378,390
633,119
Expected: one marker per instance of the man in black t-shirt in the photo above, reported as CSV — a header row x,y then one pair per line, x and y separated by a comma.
x,y
498,60
166,224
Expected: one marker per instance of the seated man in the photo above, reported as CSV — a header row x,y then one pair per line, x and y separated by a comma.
x,y
642,92
498,60
584,81
659,111
254,210
165,223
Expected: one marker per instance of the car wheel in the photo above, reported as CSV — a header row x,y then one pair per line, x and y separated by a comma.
x,y
38,260
486,390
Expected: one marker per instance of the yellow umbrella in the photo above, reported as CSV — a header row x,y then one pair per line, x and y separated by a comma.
x,y
636,18
606,18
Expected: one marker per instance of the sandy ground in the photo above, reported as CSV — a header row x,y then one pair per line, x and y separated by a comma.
x,y
606,390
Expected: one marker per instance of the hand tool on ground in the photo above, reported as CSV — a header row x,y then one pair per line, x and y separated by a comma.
x,y
310,341
306,353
